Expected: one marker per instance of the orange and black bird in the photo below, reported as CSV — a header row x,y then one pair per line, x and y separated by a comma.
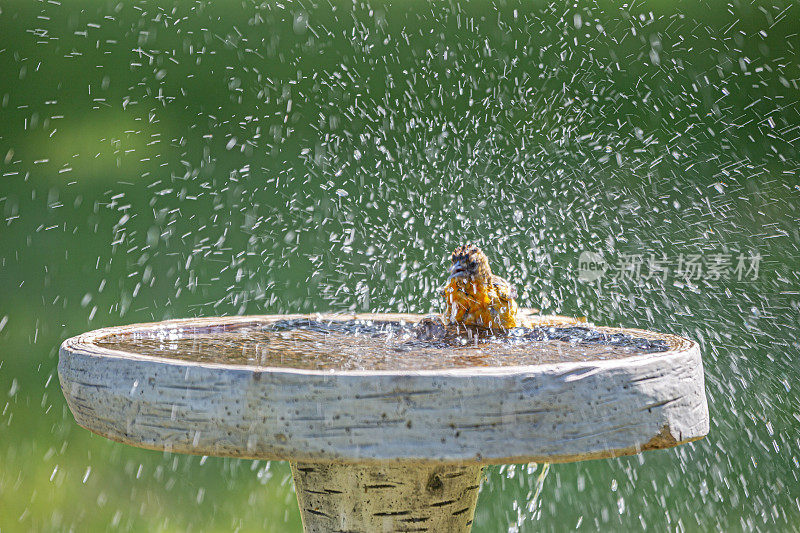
x,y
476,297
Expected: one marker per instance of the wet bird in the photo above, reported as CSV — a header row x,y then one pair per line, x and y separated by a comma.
x,y
476,297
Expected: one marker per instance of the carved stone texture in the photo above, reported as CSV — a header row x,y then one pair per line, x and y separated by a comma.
x,y
403,448
395,497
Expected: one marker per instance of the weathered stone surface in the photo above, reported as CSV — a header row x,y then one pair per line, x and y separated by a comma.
x,y
544,413
342,497
386,450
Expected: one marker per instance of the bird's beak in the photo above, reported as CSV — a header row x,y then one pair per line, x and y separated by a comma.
x,y
458,270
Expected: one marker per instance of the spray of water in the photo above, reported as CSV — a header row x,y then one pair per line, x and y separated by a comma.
x,y
174,159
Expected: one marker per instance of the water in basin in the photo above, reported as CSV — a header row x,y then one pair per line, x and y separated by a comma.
x,y
378,345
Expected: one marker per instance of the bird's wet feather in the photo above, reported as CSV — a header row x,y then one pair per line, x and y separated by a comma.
x,y
476,297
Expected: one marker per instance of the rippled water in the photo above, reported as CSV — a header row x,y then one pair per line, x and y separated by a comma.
x,y
375,345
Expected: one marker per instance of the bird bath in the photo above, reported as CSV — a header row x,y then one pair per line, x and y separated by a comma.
x,y
385,431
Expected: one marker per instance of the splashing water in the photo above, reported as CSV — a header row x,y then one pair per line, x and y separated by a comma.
x,y
370,345
163,159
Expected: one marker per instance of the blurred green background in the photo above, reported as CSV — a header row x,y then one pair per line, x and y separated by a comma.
x,y
173,159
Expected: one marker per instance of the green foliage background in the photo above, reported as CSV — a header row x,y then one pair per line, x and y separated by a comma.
x,y
171,159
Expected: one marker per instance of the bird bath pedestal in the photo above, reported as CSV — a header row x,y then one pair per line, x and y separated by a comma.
x,y
395,443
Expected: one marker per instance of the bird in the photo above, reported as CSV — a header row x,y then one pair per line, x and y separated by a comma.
x,y
474,296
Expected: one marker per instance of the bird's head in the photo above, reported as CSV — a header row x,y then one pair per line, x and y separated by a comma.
x,y
469,262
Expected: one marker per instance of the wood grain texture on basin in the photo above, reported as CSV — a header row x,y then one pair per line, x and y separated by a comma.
x,y
480,415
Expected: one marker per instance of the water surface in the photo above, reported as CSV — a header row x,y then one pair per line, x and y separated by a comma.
x,y
379,345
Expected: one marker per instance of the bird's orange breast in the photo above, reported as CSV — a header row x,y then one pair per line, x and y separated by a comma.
x,y
475,303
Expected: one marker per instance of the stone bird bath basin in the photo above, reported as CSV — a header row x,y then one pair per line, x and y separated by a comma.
x,y
384,432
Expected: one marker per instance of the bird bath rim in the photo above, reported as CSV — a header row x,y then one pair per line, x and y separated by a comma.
x,y
87,342
552,412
